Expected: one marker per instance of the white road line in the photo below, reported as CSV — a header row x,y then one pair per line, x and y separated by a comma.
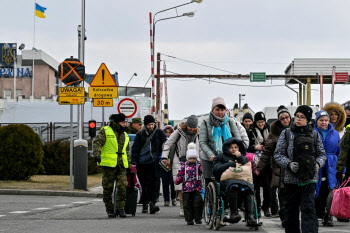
x,y
19,212
2,216
97,200
63,205
42,209
80,202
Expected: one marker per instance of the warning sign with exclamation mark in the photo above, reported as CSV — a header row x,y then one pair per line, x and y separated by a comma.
x,y
103,78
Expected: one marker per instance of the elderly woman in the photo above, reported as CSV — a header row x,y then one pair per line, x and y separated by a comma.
x,y
176,147
337,116
327,174
213,132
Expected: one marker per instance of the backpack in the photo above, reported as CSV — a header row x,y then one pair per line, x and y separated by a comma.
x,y
304,153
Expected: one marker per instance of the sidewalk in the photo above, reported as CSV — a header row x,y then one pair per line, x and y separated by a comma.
x,y
93,192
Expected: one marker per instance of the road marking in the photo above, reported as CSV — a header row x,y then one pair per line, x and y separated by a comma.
x,y
42,209
63,205
2,216
97,200
19,212
80,202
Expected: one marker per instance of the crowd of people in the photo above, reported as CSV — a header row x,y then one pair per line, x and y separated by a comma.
x,y
296,161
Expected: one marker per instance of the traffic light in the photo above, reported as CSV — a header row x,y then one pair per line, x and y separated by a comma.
x,y
92,128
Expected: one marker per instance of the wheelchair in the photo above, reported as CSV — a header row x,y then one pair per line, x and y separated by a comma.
x,y
214,208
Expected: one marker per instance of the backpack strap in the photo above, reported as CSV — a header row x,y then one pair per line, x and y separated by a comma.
x,y
287,136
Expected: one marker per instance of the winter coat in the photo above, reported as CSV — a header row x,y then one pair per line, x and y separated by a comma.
x,y
138,156
339,125
252,134
190,175
344,151
206,141
225,160
330,144
276,129
284,153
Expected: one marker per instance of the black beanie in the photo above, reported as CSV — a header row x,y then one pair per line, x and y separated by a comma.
x,y
259,116
148,119
119,117
282,109
247,115
306,110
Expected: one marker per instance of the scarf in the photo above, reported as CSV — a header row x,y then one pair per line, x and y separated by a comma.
x,y
220,132
261,137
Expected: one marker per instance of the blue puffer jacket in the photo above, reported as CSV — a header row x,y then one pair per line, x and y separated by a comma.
x,y
332,149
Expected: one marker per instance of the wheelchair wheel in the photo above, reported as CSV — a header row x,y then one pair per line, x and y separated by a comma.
x,y
210,205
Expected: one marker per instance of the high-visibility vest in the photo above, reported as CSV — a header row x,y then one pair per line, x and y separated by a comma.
x,y
109,156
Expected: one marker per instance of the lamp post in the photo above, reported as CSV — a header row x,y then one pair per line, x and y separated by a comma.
x,y
152,29
240,98
130,79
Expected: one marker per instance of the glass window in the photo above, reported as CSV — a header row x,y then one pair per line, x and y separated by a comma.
x,y
121,91
19,92
7,93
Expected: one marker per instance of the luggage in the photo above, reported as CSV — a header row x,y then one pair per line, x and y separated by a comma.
x,y
131,193
341,198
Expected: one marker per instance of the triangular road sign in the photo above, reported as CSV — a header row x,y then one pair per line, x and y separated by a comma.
x,y
103,78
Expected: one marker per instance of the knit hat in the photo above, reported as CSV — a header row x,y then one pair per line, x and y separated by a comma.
x,y
119,117
218,101
259,116
321,114
148,119
247,115
191,151
137,120
282,109
192,121
306,110
168,127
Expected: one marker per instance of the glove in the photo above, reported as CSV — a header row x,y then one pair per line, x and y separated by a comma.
x,y
294,166
339,176
98,158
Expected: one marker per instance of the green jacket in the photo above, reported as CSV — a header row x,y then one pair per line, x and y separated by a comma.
x,y
100,140
344,146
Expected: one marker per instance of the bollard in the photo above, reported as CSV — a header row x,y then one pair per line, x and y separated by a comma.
x,y
80,164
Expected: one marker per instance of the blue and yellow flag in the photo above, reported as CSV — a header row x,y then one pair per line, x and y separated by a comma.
x,y
39,10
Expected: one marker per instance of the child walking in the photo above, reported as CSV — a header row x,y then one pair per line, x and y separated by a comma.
x,y
190,176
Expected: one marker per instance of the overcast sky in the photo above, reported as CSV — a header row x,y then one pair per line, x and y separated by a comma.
x,y
238,36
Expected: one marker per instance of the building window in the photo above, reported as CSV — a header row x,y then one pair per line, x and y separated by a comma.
x,y
7,93
19,92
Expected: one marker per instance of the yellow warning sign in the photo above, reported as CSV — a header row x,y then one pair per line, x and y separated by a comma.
x,y
103,102
71,91
78,100
103,92
103,78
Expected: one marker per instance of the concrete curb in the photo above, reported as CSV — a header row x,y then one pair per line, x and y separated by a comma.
x,y
49,193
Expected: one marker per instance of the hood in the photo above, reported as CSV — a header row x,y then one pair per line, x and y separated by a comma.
x,y
333,106
230,141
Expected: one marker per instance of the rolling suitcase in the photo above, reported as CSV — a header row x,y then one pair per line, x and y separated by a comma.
x,y
131,194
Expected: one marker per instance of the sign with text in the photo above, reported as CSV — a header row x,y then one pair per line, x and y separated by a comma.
x,y
71,100
258,77
128,107
342,77
103,102
103,92
71,91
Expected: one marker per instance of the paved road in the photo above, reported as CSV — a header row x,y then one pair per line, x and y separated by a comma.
x,y
52,214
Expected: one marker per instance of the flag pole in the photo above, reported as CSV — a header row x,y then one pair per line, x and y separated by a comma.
x,y
33,51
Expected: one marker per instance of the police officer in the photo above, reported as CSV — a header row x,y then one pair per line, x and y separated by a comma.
x,y
135,125
111,149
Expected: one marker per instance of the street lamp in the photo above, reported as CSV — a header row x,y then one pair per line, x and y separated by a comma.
x,y
240,98
190,14
130,79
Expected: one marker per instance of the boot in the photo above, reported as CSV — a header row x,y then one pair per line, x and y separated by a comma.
x,y
153,208
144,208
121,213
181,214
327,220
111,214
234,215
249,207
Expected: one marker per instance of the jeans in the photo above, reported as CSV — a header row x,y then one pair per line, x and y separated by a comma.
x,y
168,182
302,197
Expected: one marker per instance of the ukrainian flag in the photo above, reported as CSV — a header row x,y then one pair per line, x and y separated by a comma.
x,y
39,10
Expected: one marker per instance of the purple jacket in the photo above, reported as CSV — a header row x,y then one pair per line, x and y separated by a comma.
x,y
190,175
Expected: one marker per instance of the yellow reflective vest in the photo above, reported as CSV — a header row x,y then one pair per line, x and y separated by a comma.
x,y
109,156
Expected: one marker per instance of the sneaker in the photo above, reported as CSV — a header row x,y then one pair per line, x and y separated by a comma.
x,y
190,223
167,203
199,222
181,214
173,202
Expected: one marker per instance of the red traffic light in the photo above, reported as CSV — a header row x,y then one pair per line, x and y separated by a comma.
x,y
92,124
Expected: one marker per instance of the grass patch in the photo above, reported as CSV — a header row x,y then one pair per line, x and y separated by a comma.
x,y
45,182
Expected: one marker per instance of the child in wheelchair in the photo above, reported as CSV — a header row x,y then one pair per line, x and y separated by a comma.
x,y
235,191
190,175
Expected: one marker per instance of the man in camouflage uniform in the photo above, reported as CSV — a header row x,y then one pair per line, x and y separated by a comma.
x,y
135,125
111,151
343,158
